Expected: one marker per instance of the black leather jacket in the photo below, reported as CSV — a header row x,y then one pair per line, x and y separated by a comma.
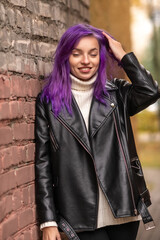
x,y
70,162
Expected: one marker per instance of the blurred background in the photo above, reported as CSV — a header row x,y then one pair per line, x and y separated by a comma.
x,y
29,33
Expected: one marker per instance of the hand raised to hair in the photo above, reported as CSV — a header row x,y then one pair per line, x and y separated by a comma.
x,y
51,233
115,47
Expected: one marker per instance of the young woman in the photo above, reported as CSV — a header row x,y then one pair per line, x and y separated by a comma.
x,y
89,181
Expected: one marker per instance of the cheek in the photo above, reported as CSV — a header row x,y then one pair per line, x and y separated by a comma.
x,y
72,62
97,61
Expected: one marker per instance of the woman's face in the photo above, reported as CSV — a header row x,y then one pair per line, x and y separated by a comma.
x,y
84,59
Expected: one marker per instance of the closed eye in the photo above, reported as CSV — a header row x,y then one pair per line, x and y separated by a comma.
x,y
93,55
75,54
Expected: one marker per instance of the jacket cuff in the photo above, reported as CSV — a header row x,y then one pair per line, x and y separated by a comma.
x,y
48,224
127,57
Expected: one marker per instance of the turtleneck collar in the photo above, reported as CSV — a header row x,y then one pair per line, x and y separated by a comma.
x,y
81,85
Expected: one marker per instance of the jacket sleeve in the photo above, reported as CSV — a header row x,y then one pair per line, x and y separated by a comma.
x,y
43,177
143,91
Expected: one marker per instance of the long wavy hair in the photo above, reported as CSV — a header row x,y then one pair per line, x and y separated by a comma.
x,y
58,86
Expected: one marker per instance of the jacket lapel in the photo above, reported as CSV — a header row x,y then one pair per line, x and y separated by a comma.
x,y
75,124
99,112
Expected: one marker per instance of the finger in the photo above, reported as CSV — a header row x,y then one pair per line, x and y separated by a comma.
x,y
58,237
106,35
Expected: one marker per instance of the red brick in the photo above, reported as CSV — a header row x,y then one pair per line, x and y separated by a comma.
x,y
25,174
27,235
0,232
13,107
16,109
10,110
30,131
33,86
32,193
9,227
5,206
18,86
4,87
25,218
25,192
29,108
17,199
20,131
2,215
34,208
8,182
36,233
5,135
23,131
18,154
12,156
1,165
21,105
4,110
19,237
6,157
30,153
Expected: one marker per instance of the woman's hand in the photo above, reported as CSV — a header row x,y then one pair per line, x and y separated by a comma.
x,y
51,233
115,47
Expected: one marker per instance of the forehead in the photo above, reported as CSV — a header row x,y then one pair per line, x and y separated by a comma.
x,y
88,42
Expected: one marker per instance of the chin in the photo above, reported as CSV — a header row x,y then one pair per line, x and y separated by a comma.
x,y
86,77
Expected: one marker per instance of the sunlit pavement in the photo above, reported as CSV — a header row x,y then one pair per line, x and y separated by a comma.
x,y
152,176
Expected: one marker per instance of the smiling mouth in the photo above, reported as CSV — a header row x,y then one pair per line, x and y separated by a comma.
x,y
85,69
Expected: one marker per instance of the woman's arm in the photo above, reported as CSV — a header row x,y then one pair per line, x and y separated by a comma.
x,y
144,90
44,184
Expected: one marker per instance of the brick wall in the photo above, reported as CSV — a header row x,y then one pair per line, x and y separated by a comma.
x,y
29,31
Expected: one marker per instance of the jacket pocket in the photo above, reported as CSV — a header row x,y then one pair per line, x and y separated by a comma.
x,y
53,141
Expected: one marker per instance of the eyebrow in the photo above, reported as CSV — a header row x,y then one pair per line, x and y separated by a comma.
x,y
78,49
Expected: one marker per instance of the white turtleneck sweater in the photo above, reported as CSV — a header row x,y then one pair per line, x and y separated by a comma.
x,y
83,93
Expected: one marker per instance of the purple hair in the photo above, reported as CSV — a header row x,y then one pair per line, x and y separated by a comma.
x,y
58,87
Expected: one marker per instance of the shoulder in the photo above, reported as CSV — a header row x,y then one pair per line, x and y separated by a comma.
x,y
116,84
41,100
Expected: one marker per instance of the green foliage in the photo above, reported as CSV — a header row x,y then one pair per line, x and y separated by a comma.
x,y
147,121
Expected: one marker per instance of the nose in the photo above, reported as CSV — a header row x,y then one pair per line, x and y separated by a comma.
x,y
85,59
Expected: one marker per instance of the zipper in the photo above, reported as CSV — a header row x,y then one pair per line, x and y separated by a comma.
x,y
90,156
125,162
53,140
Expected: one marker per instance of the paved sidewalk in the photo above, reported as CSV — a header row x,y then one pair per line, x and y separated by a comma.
x,y
152,176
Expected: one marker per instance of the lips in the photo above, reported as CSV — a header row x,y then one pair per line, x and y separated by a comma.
x,y
85,69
